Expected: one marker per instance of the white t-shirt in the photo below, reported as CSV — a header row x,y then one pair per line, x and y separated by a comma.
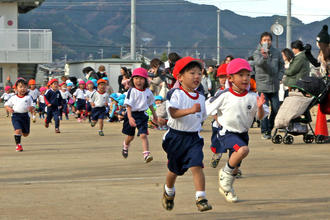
x,y
41,99
6,96
89,93
34,93
99,99
65,95
79,93
139,100
235,111
20,104
178,98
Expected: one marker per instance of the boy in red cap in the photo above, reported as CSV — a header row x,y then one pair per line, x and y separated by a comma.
x,y
237,107
19,105
34,93
53,101
99,101
182,142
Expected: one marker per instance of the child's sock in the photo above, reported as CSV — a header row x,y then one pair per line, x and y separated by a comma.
x,y
125,146
169,191
228,168
17,138
200,194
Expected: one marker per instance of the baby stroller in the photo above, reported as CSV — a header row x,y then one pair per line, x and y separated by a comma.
x,y
294,116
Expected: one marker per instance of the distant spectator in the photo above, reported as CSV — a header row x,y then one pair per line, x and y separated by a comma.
x,y
101,73
158,77
206,83
123,72
8,82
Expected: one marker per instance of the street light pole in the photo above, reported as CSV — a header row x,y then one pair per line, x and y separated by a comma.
x,y
288,24
133,34
218,37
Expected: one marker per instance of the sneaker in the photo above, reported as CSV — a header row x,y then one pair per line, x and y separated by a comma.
x,y
266,136
167,201
226,180
79,120
46,124
202,204
34,119
147,157
124,153
93,123
57,130
19,148
229,196
101,133
215,160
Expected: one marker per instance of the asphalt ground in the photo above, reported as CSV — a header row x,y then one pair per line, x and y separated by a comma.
x,y
79,175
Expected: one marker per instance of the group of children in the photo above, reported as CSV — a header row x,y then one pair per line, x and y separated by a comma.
x,y
234,107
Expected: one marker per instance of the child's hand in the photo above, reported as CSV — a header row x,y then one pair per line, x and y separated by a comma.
x,y
59,107
11,110
49,105
131,121
155,120
92,104
196,108
31,109
261,100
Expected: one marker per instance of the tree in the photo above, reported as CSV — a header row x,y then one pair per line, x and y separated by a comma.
x,y
164,57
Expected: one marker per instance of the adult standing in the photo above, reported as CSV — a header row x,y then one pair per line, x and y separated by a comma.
x,y
123,72
269,72
158,70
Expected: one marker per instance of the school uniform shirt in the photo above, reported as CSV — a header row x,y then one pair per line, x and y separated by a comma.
x,y
41,99
6,96
99,99
53,97
79,93
139,100
34,94
89,93
65,95
180,99
20,104
235,111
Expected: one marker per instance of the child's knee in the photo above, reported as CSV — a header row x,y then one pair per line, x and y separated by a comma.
x,y
143,136
244,151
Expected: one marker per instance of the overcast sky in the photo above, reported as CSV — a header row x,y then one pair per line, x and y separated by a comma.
x,y
305,10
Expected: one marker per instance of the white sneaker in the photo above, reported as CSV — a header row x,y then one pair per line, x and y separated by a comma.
x,y
226,180
229,196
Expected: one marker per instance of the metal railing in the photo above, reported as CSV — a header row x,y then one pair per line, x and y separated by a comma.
x,y
25,46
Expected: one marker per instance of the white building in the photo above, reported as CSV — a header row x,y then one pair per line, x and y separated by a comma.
x,y
112,67
21,50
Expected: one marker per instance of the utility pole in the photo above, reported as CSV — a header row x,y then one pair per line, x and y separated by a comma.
x,y
65,58
168,47
288,24
133,33
101,53
218,37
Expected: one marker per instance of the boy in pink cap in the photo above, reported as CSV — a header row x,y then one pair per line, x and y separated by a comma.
x,y
6,96
139,98
237,107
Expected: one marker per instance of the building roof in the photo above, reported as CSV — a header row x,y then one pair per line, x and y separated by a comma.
x,y
25,6
110,60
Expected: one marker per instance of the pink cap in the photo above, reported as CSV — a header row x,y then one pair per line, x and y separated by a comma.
x,y
42,89
81,82
140,72
237,65
89,81
7,88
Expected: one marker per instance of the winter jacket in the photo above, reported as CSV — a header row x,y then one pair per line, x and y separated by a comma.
x,y
299,67
268,71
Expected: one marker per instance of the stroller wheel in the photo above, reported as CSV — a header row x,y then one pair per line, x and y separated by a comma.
x,y
308,138
288,139
277,139
320,139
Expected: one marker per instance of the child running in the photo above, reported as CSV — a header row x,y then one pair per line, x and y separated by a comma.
x,y
66,95
79,98
53,101
139,98
6,96
236,108
34,93
19,105
90,90
99,100
41,102
182,142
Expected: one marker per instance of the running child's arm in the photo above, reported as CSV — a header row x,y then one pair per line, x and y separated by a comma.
x,y
154,115
9,106
129,115
178,113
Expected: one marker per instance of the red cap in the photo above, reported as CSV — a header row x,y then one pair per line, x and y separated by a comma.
x,y
222,70
237,65
63,83
32,82
52,81
182,63
101,81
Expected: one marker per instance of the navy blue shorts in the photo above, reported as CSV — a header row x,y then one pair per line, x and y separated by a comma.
x,y
89,107
98,113
184,150
141,121
21,121
215,144
81,104
42,107
232,141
